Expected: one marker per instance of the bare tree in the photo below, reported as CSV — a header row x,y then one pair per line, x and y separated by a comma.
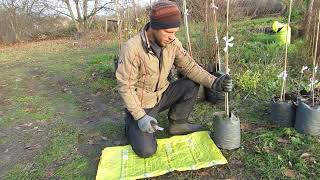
x,y
82,12
21,17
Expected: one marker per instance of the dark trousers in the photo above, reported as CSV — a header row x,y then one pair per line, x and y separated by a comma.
x,y
180,97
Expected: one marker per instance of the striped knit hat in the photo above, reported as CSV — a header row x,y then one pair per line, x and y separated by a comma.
x,y
164,15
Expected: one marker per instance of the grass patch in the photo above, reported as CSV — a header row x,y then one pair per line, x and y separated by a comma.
x,y
273,153
30,108
54,160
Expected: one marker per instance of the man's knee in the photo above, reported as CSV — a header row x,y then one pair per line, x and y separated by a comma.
x,y
145,152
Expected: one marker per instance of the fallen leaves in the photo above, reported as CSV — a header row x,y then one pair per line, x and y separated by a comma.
x,y
289,173
91,142
104,138
305,155
308,158
282,140
204,173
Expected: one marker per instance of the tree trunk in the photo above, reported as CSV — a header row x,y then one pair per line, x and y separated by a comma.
x,y
92,15
85,14
309,20
106,24
67,2
80,21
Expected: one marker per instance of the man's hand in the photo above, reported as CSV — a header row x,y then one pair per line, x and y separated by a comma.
x,y
145,124
223,83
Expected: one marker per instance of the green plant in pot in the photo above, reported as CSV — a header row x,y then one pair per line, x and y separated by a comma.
x,y
282,108
226,124
308,112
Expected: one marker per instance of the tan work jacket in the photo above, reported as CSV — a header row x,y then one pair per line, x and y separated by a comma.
x,y
142,77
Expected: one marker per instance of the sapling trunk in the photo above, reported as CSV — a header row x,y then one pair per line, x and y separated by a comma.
x,y
185,12
119,25
206,29
135,14
299,85
216,36
314,38
283,88
126,24
300,79
314,61
227,60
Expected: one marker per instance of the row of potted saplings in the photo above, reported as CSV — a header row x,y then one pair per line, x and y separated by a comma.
x,y
300,110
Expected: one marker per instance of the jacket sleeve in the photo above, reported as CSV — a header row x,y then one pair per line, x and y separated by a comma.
x,y
190,68
127,77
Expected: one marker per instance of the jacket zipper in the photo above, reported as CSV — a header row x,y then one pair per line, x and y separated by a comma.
x,y
160,67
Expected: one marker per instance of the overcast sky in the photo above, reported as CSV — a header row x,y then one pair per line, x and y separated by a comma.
x,y
143,2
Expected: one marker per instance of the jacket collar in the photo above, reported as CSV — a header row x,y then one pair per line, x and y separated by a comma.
x,y
144,39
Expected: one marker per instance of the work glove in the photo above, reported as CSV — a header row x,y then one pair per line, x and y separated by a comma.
x,y
146,122
223,83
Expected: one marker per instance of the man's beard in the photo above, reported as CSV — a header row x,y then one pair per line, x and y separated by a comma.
x,y
158,42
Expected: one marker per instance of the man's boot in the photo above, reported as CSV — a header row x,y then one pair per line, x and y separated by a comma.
x,y
183,127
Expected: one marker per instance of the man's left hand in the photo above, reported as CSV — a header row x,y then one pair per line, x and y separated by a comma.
x,y
223,83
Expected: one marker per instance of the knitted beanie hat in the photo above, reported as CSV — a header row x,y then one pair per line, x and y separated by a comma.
x,y
164,15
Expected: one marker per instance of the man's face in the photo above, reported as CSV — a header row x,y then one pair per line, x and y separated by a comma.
x,y
163,37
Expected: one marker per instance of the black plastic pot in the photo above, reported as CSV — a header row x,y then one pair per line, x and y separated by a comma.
x,y
226,131
307,119
282,112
